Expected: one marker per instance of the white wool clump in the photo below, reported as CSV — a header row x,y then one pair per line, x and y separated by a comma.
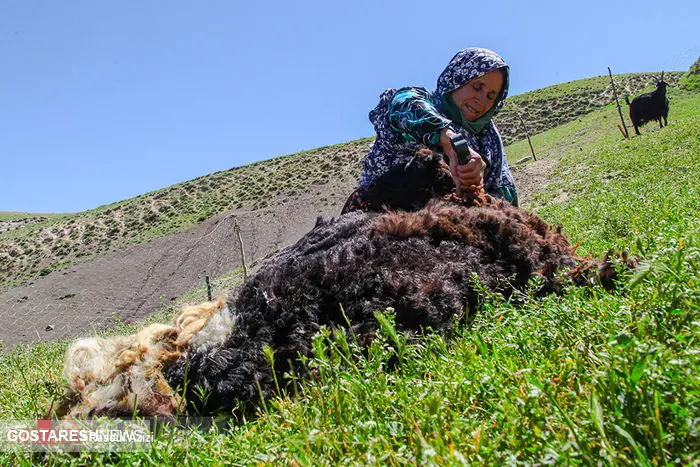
x,y
217,329
123,374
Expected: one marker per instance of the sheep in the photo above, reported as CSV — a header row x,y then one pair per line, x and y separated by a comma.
x,y
650,106
423,262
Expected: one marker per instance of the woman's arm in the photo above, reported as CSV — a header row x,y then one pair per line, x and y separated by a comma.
x,y
413,115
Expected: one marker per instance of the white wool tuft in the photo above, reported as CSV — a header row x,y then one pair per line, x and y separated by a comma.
x,y
217,329
123,374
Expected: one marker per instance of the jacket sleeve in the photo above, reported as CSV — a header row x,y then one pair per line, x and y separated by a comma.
x,y
413,114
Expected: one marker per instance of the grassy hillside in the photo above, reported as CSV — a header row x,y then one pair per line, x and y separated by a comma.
x,y
16,220
691,80
550,107
586,378
41,245
6,216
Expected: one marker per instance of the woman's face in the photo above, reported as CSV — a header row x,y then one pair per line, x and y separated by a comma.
x,y
477,96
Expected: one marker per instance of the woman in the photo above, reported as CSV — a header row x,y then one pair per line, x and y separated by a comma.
x,y
470,92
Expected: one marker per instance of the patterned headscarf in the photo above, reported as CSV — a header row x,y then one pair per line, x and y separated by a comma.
x,y
425,113
466,65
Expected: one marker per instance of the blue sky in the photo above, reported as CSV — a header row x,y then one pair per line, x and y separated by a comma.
x,y
102,101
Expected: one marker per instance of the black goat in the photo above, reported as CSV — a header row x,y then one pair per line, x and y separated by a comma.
x,y
650,106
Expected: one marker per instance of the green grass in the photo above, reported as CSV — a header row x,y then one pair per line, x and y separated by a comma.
x,y
589,377
641,182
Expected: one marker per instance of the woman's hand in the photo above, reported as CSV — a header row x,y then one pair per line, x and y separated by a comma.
x,y
469,176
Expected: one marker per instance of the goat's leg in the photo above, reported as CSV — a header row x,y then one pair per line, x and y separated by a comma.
x,y
636,129
661,125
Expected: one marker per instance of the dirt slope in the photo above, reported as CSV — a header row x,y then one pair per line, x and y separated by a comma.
x,y
135,282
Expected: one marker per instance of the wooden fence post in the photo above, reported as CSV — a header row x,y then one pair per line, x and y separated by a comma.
x,y
237,229
619,109
527,133
206,280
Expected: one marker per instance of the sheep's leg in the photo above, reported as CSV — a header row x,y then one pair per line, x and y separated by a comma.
x,y
636,129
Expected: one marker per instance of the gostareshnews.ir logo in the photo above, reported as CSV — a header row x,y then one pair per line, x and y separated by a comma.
x,y
75,435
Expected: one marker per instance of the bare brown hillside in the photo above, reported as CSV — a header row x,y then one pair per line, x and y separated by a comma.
x,y
134,282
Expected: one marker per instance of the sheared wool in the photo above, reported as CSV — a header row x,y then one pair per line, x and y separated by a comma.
x,y
424,262
122,375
